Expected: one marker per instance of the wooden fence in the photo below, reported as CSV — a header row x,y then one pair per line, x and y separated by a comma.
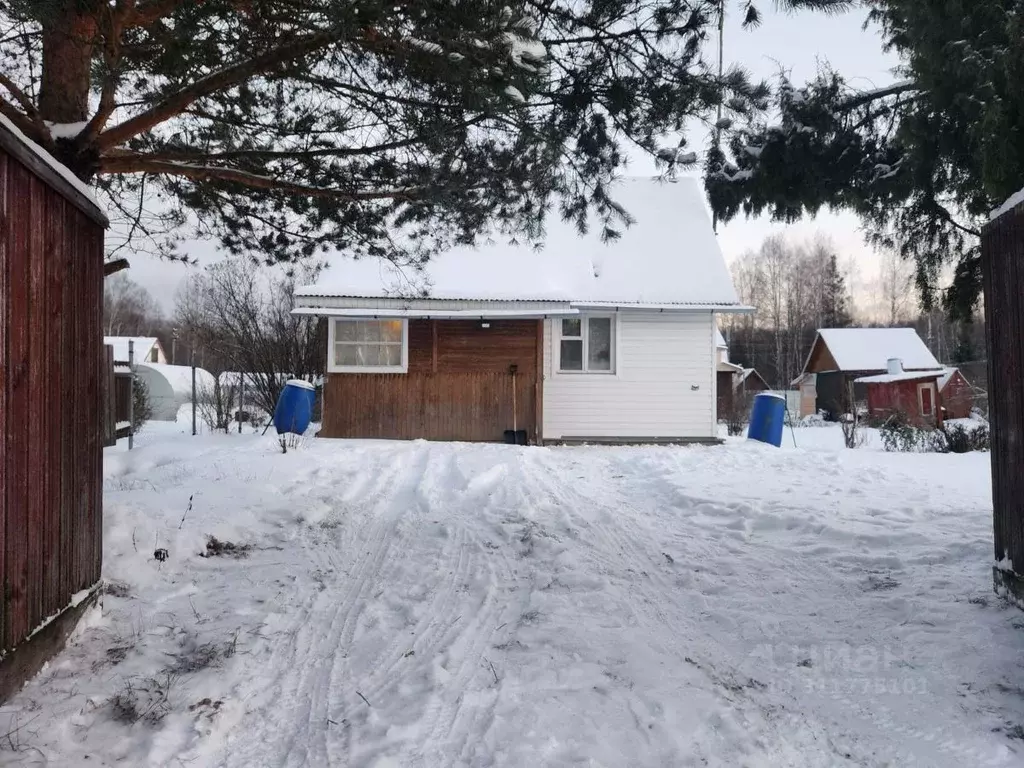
x,y
52,407
1002,253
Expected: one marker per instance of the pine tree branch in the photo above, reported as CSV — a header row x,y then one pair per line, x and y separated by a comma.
x,y
187,156
141,164
946,216
178,102
20,96
22,121
883,93
144,14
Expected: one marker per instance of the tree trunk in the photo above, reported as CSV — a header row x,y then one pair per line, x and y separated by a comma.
x,y
68,41
67,54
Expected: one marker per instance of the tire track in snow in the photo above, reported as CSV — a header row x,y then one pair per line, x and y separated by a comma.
x,y
293,696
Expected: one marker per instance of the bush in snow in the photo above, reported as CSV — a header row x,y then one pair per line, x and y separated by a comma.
x,y
142,409
898,434
956,438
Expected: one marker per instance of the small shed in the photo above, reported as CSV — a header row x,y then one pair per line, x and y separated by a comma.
x,y
54,370
170,387
956,394
735,384
912,393
840,356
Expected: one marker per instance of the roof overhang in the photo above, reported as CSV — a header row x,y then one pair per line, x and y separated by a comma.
x,y
439,313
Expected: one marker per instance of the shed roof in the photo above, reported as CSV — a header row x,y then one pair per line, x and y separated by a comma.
x,y
668,256
143,346
869,349
46,167
889,378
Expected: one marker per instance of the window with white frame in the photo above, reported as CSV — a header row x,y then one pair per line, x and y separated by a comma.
x,y
586,344
368,346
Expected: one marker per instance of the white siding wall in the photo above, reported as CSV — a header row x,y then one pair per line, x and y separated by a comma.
x,y
663,387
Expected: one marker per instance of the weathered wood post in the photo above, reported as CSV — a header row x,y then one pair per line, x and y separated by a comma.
x,y
1002,255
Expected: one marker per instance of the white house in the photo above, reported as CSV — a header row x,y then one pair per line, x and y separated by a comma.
x,y
146,349
580,340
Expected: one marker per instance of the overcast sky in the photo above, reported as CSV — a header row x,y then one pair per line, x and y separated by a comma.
x,y
799,43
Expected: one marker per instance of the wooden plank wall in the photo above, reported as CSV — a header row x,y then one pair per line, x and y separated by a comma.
x,y
1002,253
51,406
458,386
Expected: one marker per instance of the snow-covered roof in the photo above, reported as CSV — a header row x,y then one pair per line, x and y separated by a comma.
x,y
143,346
947,374
889,378
720,340
59,168
869,349
668,256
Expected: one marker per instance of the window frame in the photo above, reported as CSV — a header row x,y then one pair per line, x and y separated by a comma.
x,y
333,367
586,370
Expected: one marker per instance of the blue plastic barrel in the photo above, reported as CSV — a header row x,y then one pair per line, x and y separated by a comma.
x,y
767,418
294,407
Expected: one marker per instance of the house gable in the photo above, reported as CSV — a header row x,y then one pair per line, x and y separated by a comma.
x,y
820,360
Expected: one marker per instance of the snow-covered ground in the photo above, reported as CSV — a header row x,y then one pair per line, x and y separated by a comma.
x,y
415,604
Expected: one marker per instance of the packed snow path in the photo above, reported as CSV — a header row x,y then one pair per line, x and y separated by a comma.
x,y
414,604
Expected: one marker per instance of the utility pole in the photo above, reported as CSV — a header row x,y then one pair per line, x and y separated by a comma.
x,y
241,400
721,73
192,355
131,395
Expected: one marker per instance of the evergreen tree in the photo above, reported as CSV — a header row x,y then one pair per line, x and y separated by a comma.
x,y
835,303
922,161
963,350
385,127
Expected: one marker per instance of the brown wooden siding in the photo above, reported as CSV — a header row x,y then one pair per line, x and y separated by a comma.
x,y
51,407
458,386
1002,257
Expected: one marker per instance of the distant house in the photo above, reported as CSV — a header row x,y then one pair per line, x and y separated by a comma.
x,y
735,383
582,340
915,394
840,356
147,349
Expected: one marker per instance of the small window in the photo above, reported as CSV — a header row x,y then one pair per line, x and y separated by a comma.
x,y
587,345
368,346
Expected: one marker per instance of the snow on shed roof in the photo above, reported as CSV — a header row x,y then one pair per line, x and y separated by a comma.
x,y
143,346
869,349
720,340
889,378
669,255
57,167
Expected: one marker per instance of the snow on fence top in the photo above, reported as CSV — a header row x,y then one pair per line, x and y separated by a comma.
x,y
1012,202
869,349
59,168
669,255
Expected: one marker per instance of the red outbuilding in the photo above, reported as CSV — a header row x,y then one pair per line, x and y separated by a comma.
x,y
913,393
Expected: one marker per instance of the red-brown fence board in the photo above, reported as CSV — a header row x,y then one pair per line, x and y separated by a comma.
x,y
51,408
1003,273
